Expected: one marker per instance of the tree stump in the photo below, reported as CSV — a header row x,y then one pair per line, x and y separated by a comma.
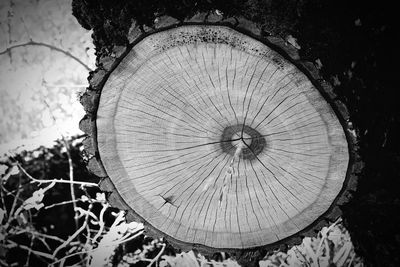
x,y
218,139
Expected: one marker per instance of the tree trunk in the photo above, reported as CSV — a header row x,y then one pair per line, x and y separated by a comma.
x,y
218,137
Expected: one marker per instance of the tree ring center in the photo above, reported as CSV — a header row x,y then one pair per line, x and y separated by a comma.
x,y
238,138
251,141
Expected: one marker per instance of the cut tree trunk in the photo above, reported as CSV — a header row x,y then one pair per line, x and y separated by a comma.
x,y
218,138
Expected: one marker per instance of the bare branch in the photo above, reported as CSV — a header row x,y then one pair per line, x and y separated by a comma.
x,y
101,223
61,203
55,180
70,165
29,251
52,47
72,237
38,253
71,177
14,205
32,232
155,259
2,201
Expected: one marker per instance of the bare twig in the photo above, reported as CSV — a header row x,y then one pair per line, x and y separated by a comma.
x,y
71,176
2,202
129,237
70,165
44,242
38,253
18,188
101,223
69,202
14,205
72,237
31,232
54,180
52,47
86,212
29,251
155,259
88,244
61,203
27,205
120,217
82,184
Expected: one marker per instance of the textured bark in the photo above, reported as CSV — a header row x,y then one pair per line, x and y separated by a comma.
x,y
108,83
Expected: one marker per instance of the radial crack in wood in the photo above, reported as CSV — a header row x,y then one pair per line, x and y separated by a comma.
x,y
213,138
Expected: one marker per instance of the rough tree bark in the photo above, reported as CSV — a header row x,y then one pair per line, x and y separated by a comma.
x,y
217,137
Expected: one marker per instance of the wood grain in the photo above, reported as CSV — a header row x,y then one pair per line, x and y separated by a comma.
x,y
160,128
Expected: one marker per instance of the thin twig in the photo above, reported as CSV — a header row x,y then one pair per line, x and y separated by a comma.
x,y
38,253
14,205
26,204
2,198
18,188
55,180
30,231
52,47
69,202
16,196
43,241
71,177
101,223
88,237
119,218
86,212
155,259
70,165
61,203
29,251
129,237
72,237
87,244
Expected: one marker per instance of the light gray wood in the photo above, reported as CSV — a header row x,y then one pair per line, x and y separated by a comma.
x,y
160,120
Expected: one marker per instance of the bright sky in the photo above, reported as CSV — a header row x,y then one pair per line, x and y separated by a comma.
x,y
39,86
